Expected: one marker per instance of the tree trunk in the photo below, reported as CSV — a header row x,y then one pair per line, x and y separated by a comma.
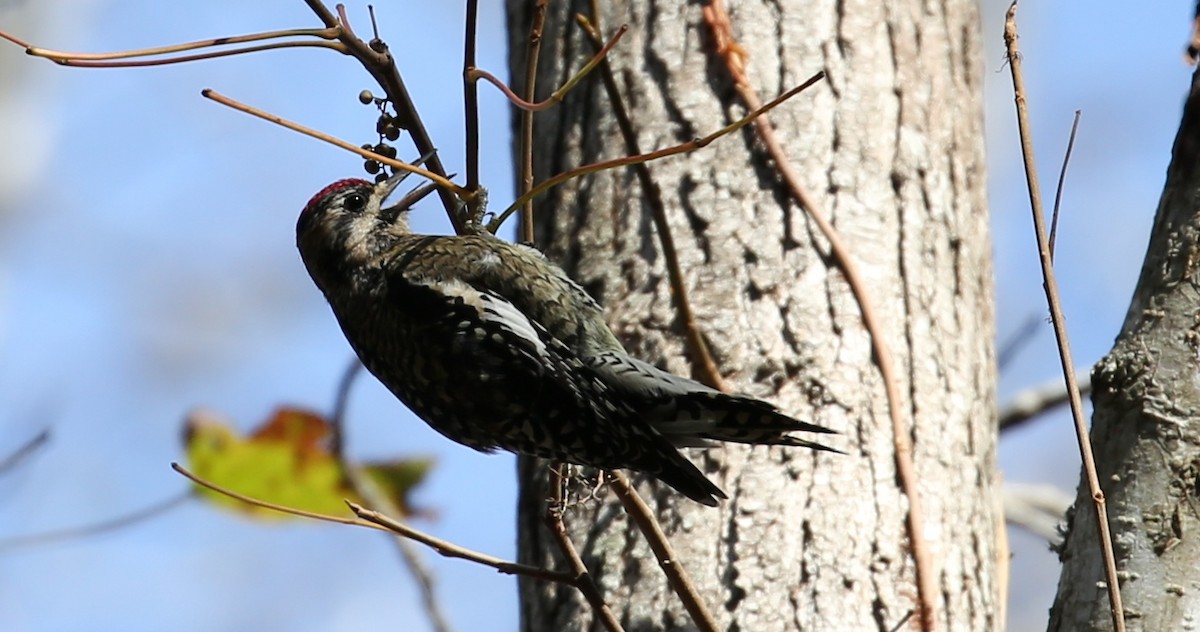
x,y
891,144
1146,429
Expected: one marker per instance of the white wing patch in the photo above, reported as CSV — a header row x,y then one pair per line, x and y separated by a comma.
x,y
495,309
500,311
488,259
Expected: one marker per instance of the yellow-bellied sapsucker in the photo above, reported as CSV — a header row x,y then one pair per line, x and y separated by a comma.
x,y
495,347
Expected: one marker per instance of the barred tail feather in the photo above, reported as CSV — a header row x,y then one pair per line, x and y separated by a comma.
x,y
687,479
741,419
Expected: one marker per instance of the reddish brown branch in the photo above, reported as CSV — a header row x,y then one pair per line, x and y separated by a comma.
x,y
681,148
374,520
554,99
703,365
924,563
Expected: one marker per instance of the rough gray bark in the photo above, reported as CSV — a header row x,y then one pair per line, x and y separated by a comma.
x,y
1146,429
892,145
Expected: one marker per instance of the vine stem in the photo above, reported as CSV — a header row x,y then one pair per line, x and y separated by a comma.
x,y
923,560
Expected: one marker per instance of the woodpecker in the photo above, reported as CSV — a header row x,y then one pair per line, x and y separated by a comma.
x,y
495,347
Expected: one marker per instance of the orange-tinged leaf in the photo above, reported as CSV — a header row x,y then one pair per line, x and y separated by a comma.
x,y
284,462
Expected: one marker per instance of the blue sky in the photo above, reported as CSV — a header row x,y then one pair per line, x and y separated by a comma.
x,y
147,266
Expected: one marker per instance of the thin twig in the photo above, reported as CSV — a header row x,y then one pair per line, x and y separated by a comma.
x,y
377,60
677,576
471,104
553,517
531,65
182,59
1062,178
1050,284
254,502
442,182
448,549
67,57
903,620
558,95
112,524
1038,508
1017,340
337,419
379,522
373,56
703,365
681,148
24,452
425,583
923,560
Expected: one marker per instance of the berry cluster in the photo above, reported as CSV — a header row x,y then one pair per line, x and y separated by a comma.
x,y
388,128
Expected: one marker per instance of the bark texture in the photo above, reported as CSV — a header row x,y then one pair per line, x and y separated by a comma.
x,y
891,143
1146,429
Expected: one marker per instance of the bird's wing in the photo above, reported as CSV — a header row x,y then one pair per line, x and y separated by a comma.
x,y
567,412
524,277
478,321
642,378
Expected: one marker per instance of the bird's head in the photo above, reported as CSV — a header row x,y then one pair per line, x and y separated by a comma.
x,y
346,225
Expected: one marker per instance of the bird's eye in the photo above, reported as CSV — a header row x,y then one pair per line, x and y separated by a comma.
x,y
356,202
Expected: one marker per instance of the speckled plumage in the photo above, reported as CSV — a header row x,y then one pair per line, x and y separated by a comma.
x,y
496,348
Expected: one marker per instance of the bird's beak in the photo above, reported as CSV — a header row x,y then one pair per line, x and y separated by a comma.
x,y
385,188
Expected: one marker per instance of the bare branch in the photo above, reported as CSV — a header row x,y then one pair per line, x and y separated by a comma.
x,y
471,103
1017,340
24,451
1056,318
557,96
677,576
553,519
525,181
380,521
1030,403
109,60
377,60
682,148
97,528
363,489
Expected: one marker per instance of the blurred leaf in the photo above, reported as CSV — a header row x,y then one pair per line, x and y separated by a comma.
x,y
287,461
